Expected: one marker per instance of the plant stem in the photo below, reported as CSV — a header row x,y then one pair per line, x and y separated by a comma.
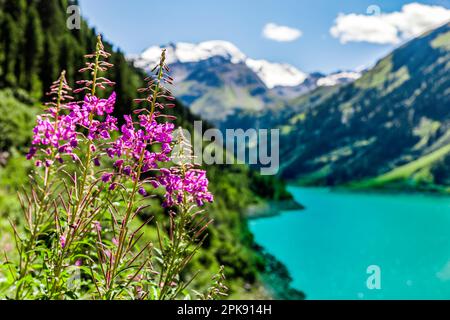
x,y
86,169
23,270
124,227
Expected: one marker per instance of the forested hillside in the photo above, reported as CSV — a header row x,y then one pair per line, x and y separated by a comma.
x,y
36,45
390,126
388,129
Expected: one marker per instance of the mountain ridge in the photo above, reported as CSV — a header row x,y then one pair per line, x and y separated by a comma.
x,y
217,75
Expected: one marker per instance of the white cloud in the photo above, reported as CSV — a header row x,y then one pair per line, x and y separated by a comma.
x,y
389,28
279,33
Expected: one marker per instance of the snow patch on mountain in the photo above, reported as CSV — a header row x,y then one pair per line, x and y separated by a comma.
x,y
276,74
338,78
184,52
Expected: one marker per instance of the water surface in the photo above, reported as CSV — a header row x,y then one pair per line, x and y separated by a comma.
x,y
328,247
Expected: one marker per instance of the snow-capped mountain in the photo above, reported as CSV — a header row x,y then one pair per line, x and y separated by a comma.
x,y
272,74
184,52
216,79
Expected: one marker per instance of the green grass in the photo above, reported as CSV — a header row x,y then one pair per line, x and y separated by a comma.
x,y
415,172
314,178
443,41
377,76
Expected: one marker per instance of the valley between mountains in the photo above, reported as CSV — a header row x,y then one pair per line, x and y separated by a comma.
x,y
386,127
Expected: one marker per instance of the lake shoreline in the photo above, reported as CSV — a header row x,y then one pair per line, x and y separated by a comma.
x,y
276,278
272,208
401,190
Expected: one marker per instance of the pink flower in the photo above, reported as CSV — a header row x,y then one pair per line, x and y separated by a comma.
x,y
59,134
97,226
136,140
127,170
106,177
118,163
142,192
82,115
62,241
31,153
112,187
193,186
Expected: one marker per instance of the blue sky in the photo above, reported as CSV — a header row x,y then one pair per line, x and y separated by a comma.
x,y
137,24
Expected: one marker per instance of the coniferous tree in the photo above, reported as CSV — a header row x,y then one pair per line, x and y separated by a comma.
x,y
33,50
13,21
10,49
2,35
54,9
120,72
50,66
16,9
68,58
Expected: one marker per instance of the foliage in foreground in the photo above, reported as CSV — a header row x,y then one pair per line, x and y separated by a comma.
x,y
82,237
46,46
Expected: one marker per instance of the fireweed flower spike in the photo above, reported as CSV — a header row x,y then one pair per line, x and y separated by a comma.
x,y
186,189
53,137
184,183
190,185
89,219
94,123
55,133
139,138
141,147
83,115
94,67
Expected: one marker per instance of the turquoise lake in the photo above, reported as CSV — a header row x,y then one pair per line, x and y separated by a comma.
x,y
328,247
